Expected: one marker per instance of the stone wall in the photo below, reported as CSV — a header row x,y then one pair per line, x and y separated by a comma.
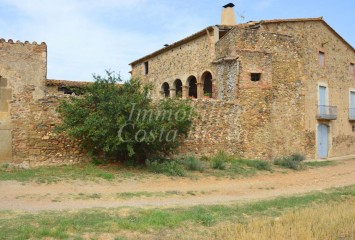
x,y
35,139
28,109
193,58
315,36
216,128
273,107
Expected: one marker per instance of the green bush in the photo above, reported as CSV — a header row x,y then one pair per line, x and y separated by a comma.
x,y
121,122
165,166
193,164
293,162
219,161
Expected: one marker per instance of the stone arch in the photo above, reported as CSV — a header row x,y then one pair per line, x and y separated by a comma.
x,y
192,86
165,89
207,84
178,88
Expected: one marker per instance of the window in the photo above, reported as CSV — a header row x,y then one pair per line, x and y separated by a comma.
x,y
146,68
165,89
321,58
352,71
255,77
353,128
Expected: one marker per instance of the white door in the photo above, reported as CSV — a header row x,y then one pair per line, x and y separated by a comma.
x,y
323,141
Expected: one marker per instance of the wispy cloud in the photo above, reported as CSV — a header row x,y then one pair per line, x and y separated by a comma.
x,y
86,37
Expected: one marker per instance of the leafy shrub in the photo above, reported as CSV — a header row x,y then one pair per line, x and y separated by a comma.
x,y
219,161
121,122
293,162
193,164
167,167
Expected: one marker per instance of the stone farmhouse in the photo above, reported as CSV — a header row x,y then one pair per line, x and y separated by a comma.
x,y
263,89
285,86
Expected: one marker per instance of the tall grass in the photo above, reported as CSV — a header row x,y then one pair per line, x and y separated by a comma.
x,y
328,221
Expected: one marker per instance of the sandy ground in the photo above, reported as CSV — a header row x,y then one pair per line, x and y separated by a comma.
x,y
181,192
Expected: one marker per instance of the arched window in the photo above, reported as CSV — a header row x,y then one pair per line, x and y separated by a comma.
x,y
165,88
207,84
192,84
178,88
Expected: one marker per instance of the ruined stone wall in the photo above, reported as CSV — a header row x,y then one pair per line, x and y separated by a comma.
x,y
190,59
27,112
35,139
315,36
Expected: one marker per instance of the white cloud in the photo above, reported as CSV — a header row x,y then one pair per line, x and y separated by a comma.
x,y
86,37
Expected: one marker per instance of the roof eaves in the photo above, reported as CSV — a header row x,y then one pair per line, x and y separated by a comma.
x,y
176,44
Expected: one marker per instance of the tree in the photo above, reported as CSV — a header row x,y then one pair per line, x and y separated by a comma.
x,y
121,122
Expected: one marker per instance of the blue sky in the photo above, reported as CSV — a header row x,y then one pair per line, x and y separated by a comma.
x,y
89,36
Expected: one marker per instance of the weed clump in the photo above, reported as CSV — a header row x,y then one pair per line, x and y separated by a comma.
x,y
292,162
219,161
193,164
165,166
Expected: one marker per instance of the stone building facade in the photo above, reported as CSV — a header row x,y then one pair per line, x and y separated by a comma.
x,y
262,90
265,89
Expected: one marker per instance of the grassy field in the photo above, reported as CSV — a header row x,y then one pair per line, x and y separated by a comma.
x,y
219,221
326,221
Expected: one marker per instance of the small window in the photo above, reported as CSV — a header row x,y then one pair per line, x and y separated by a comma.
x,y
321,58
353,128
255,77
146,68
352,71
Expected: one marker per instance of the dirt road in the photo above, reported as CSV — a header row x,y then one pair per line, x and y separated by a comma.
x,y
166,192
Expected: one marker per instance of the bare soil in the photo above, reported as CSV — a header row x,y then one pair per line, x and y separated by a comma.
x,y
168,192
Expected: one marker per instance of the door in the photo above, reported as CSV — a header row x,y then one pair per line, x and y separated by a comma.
x,y
352,105
323,141
322,100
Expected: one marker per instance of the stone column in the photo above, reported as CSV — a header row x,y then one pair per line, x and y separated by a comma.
x,y
185,91
200,90
214,88
172,92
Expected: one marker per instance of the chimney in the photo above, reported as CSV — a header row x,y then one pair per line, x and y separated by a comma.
x,y
228,15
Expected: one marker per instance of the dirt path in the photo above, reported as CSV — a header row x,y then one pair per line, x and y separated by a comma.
x,y
165,192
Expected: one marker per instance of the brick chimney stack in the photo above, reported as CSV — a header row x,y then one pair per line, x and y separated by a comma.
x,y
228,15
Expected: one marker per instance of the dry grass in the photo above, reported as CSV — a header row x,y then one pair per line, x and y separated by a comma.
x,y
328,221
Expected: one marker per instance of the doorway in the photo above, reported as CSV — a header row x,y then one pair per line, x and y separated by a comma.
x,y
323,141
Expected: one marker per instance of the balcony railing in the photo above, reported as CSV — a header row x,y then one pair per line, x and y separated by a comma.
x,y
327,112
352,114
